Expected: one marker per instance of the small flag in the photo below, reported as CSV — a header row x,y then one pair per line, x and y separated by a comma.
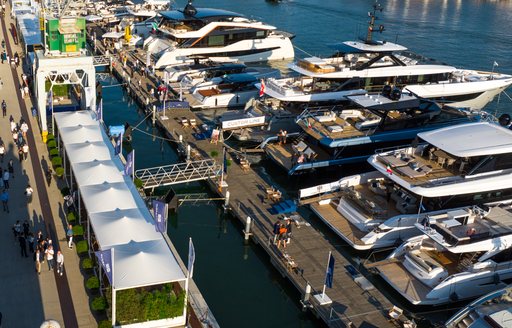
x,y
495,64
262,88
191,258
329,273
129,166
119,141
225,166
105,258
154,26
160,214
99,111
388,169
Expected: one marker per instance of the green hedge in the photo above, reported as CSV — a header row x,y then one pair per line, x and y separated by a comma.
x,y
105,324
78,230
59,90
57,161
138,183
50,137
59,171
51,144
82,247
99,304
87,263
140,305
71,218
54,152
92,283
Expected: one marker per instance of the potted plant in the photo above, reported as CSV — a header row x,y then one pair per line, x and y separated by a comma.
x,y
87,264
54,152
72,218
138,183
51,144
82,248
57,161
99,304
59,172
50,137
78,231
93,283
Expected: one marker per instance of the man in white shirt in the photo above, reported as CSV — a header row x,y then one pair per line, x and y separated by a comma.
x,y
60,263
49,257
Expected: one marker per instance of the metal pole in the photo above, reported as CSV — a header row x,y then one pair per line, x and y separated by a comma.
x,y
247,232
154,115
323,290
226,200
133,165
113,292
188,153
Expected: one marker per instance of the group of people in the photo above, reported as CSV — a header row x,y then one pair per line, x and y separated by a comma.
x,y
41,248
14,61
282,232
19,136
281,136
6,175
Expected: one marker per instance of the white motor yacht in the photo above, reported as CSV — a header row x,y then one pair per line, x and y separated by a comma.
x,y
217,34
462,165
462,254
370,65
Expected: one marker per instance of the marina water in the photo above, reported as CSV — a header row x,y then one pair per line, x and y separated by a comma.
x,y
238,281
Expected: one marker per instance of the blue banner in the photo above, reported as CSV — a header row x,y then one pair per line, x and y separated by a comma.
x,y
173,105
105,259
118,146
329,273
191,258
160,214
99,111
129,166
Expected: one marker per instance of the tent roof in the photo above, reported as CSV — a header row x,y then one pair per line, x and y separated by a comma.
x,y
107,197
138,264
81,133
96,172
71,119
88,151
119,227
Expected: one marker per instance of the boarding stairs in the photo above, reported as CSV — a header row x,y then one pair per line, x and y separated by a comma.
x,y
101,61
178,173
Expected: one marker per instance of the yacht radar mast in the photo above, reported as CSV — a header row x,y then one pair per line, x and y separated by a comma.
x,y
189,9
371,24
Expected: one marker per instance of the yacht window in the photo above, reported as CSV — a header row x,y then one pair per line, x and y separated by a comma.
x,y
215,40
260,33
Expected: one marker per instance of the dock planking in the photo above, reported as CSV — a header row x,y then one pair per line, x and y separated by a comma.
x,y
304,260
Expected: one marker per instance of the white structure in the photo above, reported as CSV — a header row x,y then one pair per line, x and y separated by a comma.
x,y
60,70
116,213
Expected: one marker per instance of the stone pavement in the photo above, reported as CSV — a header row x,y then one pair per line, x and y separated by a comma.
x,y
27,299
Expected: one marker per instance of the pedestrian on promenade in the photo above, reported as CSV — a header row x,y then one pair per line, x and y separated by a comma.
x,y
3,44
37,260
24,129
1,84
49,176
31,240
2,56
13,124
4,108
5,178
23,245
49,257
10,166
5,200
60,262
69,235
282,236
29,191
25,150
27,90
277,225
15,137
26,227
16,230
2,150
288,226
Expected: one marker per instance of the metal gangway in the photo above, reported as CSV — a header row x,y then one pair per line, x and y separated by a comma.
x,y
101,60
178,173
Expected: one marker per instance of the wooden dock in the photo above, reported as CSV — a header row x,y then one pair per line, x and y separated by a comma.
x,y
355,302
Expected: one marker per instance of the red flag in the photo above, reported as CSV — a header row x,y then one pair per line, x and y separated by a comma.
x,y
262,88
388,169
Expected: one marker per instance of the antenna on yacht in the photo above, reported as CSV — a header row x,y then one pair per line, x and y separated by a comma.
x,y
190,10
371,24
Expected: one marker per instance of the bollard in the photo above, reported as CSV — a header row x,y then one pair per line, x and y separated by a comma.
x,y
226,200
188,152
305,301
180,138
154,115
247,231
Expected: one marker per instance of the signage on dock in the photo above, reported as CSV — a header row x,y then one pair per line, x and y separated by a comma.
x,y
243,122
174,105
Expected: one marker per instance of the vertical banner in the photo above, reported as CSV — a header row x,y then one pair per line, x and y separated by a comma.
x,y
191,258
262,88
225,163
99,111
160,214
129,166
105,258
329,273
50,102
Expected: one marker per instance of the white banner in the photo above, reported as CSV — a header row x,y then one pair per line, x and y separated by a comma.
x,y
233,124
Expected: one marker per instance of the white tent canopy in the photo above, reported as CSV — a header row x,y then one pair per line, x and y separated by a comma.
x,y
97,172
119,227
88,151
107,197
144,264
113,35
81,133
71,119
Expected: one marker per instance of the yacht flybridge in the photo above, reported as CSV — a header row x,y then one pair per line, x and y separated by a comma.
x,y
220,35
464,254
370,64
463,165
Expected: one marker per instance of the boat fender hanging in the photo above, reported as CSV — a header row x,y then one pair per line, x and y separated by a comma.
x,y
504,120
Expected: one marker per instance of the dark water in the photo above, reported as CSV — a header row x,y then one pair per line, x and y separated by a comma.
x,y
238,282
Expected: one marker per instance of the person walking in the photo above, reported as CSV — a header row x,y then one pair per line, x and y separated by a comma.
x,y
25,150
31,240
23,245
2,151
5,178
288,226
24,130
4,108
37,260
276,227
26,227
10,167
69,235
49,256
60,262
29,191
5,200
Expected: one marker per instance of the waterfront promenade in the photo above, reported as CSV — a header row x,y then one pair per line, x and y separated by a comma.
x,y
27,298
